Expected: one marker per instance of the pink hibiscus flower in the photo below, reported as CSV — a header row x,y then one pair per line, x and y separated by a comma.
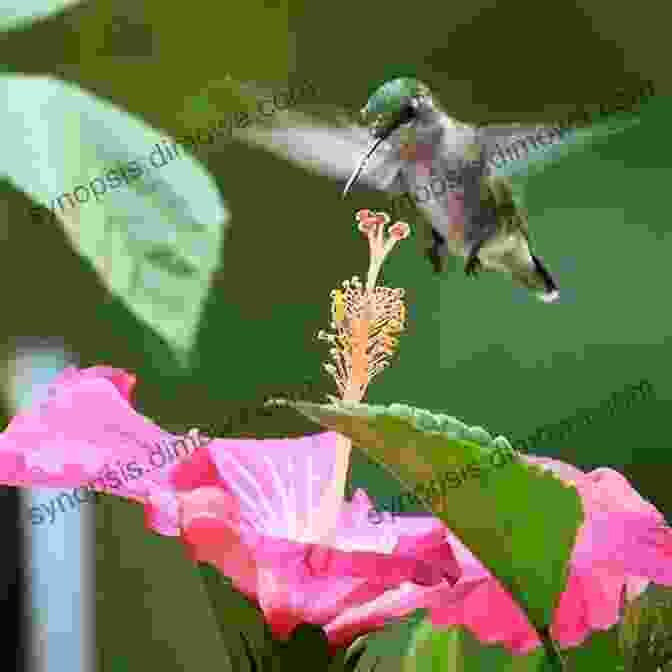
x,y
623,544
252,508
270,514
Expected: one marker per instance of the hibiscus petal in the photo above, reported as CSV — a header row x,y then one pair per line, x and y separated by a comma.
x,y
212,541
73,438
393,604
636,544
488,611
606,490
278,482
591,601
197,472
122,380
292,596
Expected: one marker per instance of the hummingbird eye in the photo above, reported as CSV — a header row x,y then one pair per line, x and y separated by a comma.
x,y
384,125
408,113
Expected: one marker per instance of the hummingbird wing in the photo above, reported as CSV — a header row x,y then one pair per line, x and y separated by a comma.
x,y
537,147
330,149
333,147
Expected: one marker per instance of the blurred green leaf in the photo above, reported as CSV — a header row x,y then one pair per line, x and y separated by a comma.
x,y
120,664
493,510
307,646
470,655
458,650
599,652
645,635
384,650
18,13
434,649
477,656
247,637
150,220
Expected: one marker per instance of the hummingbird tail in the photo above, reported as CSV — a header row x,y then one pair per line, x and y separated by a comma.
x,y
551,292
536,276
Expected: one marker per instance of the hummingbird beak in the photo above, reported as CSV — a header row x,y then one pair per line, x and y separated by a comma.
x,y
381,134
360,166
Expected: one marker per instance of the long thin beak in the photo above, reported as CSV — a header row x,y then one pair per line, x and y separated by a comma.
x,y
360,167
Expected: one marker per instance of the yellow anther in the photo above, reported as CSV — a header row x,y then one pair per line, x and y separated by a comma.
x,y
338,306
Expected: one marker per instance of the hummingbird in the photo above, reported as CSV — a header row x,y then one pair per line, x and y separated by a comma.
x,y
405,142
476,218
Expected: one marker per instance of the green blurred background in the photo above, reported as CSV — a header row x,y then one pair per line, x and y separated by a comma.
x,y
480,350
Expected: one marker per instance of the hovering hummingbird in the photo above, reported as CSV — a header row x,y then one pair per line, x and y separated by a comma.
x,y
476,218
406,142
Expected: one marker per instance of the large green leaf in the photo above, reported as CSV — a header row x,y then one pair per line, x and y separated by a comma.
x,y
494,510
151,226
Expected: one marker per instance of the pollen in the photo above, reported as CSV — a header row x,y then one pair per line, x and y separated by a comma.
x,y
337,306
366,319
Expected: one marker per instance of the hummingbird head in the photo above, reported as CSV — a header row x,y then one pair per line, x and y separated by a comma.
x,y
398,103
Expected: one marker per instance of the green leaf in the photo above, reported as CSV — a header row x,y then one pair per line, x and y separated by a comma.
x,y
151,226
479,487
645,635
434,649
18,13
308,646
120,664
477,656
246,635
599,652
384,650
457,650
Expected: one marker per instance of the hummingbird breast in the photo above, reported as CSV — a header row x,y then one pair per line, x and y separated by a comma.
x,y
443,204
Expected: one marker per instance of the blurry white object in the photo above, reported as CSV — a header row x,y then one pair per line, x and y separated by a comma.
x,y
60,562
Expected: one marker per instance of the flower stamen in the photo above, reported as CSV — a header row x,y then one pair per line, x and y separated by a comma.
x,y
367,318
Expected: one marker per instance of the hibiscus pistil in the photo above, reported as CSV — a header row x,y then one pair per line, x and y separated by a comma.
x,y
366,320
